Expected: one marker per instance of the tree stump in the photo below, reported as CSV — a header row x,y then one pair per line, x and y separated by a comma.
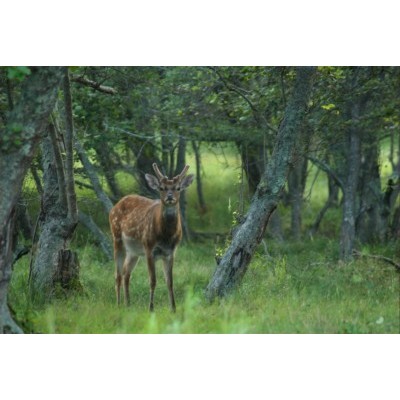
x,y
66,275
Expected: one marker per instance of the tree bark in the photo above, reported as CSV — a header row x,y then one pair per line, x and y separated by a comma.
x,y
18,142
101,239
350,184
103,152
180,165
372,220
199,186
253,159
296,184
91,173
59,211
332,201
7,324
146,154
250,232
55,227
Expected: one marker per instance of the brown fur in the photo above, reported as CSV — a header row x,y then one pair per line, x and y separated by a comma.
x,y
152,228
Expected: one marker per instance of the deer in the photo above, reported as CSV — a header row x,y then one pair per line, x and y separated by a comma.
x,y
151,228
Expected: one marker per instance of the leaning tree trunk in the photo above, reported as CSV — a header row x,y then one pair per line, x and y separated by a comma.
x,y
55,264
107,204
254,159
250,232
18,142
103,153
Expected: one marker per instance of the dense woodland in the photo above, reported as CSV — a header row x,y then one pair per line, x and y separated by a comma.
x,y
295,202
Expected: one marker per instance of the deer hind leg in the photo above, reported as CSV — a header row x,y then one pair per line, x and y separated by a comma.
x,y
168,264
129,265
119,256
152,279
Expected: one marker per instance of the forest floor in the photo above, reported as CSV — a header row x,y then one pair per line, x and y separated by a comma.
x,y
290,286
298,288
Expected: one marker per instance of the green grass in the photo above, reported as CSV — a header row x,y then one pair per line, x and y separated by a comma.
x,y
299,287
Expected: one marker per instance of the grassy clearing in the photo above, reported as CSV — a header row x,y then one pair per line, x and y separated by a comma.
x,y
299,287
296,291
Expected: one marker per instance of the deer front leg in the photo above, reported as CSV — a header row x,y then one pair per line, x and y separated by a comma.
x,y
168,264
152,278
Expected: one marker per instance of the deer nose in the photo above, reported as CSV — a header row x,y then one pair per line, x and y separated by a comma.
x,y
170,196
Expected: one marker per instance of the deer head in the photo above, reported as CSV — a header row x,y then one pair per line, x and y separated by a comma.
x,y
169,189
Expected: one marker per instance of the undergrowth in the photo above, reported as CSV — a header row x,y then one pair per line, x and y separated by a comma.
x,y
286,291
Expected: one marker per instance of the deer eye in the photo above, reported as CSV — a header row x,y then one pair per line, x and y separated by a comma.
x,y
162,189
178,189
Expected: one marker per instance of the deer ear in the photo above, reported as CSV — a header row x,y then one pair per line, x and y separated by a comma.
x,y
152,181
187,181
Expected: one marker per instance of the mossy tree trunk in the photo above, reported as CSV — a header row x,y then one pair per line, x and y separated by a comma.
x,y
250,232
59,213
349,161
18,142
297,182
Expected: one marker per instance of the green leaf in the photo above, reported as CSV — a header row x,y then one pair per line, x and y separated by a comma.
x,y
17,73
328,106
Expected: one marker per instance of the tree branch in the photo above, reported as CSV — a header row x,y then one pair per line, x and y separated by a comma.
x,y
239,91
91,173
326,168
94,85
378,257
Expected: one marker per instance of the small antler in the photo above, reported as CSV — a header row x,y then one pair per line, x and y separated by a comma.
x,y
183,173
160,176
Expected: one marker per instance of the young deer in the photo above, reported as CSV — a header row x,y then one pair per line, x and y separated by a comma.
x,y
150,228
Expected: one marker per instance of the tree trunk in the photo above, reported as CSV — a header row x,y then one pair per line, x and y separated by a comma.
x,y
18,142
166,151
296,184
180,165
199,185
332,201
353,159
91,173
250,232
59,210
107,204
372,221
103,152
146,155
7,324
101,239
56,229
253,160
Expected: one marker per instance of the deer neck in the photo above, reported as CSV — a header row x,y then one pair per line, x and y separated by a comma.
x,y
170,217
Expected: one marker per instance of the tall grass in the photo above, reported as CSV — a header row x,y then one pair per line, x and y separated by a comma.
x,y
292,291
